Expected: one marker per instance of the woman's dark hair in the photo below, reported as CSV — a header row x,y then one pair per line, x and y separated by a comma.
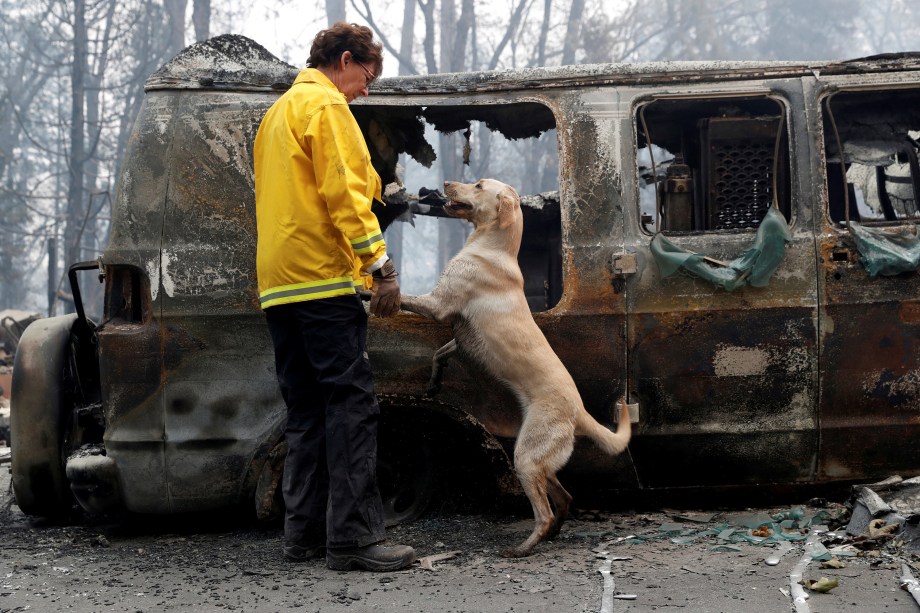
x,y
330,44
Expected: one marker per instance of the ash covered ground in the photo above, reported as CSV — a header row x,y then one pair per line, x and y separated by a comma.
x,y
219,562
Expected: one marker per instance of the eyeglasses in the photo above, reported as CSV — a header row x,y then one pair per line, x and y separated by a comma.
x,y
370,75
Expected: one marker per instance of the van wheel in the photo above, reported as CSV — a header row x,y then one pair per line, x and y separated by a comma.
x,y
406,476
38,418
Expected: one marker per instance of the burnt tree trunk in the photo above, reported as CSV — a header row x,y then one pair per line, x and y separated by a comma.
x,y
201,19
572,32
335,11
395,231
76,157
454,37
175,9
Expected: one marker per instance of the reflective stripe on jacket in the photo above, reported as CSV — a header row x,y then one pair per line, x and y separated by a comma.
x,y
314,187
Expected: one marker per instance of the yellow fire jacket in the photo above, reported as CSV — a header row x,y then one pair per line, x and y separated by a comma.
x,y
314,186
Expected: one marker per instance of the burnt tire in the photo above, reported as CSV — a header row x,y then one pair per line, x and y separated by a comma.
x,y
38,417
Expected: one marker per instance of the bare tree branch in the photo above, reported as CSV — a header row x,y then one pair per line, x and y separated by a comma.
x,y
513,24
368,15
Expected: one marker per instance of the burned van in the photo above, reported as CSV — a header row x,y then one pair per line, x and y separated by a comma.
x,y
732,247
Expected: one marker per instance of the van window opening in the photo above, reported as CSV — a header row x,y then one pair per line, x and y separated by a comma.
x,y
880,136
713,163
415,149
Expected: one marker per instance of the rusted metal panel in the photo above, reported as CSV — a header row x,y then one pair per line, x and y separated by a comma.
x,y
130,367
190,393
138,208
870,332
718,389
220,395
130,353
727,382
870,368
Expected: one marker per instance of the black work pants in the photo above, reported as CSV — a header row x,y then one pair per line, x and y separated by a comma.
x,y
330,472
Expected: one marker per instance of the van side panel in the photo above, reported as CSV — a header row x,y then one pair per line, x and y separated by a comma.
x,y
726,381
588,327
220,395
188,376
870,327
130,338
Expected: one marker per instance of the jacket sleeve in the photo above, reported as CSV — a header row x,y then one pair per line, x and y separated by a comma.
x,y
346,180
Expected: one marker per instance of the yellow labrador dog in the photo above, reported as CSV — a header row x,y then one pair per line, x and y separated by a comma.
x,y
481,296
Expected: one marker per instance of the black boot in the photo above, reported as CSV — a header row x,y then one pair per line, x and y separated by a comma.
x,y
372,557
296,552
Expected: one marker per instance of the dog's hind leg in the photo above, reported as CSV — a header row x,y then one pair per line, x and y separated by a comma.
x,y
438,364
533,480
543,447
562,500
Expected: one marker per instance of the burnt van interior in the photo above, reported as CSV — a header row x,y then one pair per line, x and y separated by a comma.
x,y
878,132
710,164
416,148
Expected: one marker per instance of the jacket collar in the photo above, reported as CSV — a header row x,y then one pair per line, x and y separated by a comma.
x,y
312,75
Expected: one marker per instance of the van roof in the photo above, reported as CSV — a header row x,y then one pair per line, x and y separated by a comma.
x,y
234,62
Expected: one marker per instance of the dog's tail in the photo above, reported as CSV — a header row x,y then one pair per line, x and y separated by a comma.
x,y
611,442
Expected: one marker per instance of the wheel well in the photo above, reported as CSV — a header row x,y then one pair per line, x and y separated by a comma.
x,y
473,468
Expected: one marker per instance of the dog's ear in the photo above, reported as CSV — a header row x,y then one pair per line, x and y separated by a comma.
x,y
508,199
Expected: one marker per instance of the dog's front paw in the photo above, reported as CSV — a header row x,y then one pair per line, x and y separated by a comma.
x,y
515,552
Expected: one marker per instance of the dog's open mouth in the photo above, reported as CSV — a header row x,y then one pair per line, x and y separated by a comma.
x,y
453,205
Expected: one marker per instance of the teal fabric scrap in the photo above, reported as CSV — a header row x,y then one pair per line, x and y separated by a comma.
x,y
887,253
754,267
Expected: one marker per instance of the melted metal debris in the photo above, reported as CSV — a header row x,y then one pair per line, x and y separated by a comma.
x,y
90,449
538,201
229,61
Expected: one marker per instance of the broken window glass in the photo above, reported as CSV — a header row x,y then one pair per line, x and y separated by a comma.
x,y
708,164
879,132
872,139
416,148
754,267
718,164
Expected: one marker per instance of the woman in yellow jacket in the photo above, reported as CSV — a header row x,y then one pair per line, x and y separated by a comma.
x,y
314,186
